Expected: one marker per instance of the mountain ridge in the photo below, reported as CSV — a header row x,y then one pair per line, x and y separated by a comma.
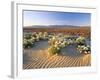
x,y
55,26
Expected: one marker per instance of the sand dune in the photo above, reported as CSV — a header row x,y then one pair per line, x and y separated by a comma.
x,y
41,59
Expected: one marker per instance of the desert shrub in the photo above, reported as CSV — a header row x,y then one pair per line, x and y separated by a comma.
x,y
52,50
84,49
58,41
52,40
81,41
40,35
34,34
45,36
37,38
28,36
31,38
63,44
27,43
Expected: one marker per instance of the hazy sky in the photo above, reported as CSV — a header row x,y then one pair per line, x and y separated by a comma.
x,y
32,18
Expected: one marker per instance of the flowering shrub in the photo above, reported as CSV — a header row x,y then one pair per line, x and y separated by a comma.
x,y
84,49
27,43
80,41
53,50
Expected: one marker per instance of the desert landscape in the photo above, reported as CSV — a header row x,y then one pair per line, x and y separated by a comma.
x,y
56,47
56,39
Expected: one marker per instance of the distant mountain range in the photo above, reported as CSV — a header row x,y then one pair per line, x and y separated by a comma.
x,y
55,26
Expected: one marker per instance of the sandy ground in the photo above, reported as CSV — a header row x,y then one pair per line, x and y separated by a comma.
x,y
41,59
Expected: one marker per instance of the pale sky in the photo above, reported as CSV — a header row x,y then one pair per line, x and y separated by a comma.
x,y
32,18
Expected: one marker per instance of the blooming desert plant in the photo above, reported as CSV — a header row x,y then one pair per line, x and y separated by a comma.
x,y
80,41
27,43
53,50
84,49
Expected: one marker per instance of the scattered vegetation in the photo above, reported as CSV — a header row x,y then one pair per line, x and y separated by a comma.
x,y
84,49
56,41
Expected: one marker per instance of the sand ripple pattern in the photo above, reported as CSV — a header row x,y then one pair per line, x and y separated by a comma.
x,y
41,59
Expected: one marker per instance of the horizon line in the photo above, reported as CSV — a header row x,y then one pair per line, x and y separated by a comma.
x,y
59,25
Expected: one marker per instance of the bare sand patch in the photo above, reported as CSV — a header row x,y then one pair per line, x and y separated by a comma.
x,y
41,59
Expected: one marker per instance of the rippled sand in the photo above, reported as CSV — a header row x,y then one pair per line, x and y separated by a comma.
x,y
41,59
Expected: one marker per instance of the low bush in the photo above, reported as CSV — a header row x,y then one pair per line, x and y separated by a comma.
x,y
27,43
28,36
52,50
84,49
80,41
